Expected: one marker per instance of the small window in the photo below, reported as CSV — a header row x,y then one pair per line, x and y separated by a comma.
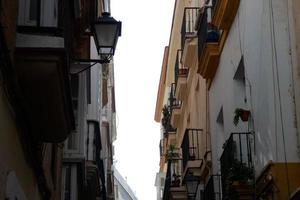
x,y
73,141
67,192
240,72
88,86
74,92
220,118
240,82
38,13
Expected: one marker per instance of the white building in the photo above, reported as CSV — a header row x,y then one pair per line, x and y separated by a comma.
x,y
122,189
256,73
88,155
159,184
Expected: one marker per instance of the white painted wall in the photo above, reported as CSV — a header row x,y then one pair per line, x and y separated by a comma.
x,y
123,190
265,47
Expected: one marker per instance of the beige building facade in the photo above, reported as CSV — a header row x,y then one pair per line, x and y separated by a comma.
x,y
228,96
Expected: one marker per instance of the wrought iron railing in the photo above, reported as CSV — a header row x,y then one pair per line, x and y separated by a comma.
x,y
173,179
166,120
213,189
173,102
166,194
161,147
202,33
189,23
236,161
191,146
207,32
180,69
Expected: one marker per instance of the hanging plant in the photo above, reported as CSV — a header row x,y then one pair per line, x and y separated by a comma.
x,y
165,121
171,154
242,114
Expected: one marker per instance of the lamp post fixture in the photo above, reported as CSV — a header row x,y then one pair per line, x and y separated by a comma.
x,y
192,183
106,31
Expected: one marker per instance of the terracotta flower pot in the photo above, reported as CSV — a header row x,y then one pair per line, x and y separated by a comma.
x,y
245,115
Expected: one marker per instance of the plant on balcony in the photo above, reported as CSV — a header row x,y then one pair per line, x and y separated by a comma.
x,y
171,154
175,180
212,33
165,121
238,174
242,114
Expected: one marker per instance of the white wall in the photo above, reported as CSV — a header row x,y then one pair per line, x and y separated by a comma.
x,y
268,83
124,192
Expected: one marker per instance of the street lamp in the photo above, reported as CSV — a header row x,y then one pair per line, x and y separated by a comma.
x,y
192,183
106,31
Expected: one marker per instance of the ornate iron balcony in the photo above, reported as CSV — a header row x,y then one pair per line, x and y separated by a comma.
x,y
189,23
207,32
191,146
180,69
236,162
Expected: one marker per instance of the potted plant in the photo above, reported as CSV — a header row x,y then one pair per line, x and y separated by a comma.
x,y
242,114
171,154
176,180
165,121
239,178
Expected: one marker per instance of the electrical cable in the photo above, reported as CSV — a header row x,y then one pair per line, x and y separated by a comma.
x,y
273,82
279,95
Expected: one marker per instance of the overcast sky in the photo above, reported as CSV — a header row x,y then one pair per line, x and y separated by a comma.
x,y
146,28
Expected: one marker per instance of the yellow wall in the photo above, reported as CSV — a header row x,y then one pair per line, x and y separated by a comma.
x,y
12,156
285,179
194,107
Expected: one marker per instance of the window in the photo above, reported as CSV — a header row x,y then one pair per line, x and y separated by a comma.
x,y
40,13
74,93
69,182
67,193
73,139
240,72
220,118
240,82
220,122
88,86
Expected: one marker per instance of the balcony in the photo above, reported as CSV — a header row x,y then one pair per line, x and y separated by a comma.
x,y
213,189
208,47
181,73
224,12
237,166
175,107
173,188
166,121
191,152
92,179
189,36
44,82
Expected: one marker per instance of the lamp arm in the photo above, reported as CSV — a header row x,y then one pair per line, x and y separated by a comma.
x,y
100,61
88,67
95,61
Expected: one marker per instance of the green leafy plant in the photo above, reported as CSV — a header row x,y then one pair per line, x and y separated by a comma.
x,y
165,121
239,173
171,153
